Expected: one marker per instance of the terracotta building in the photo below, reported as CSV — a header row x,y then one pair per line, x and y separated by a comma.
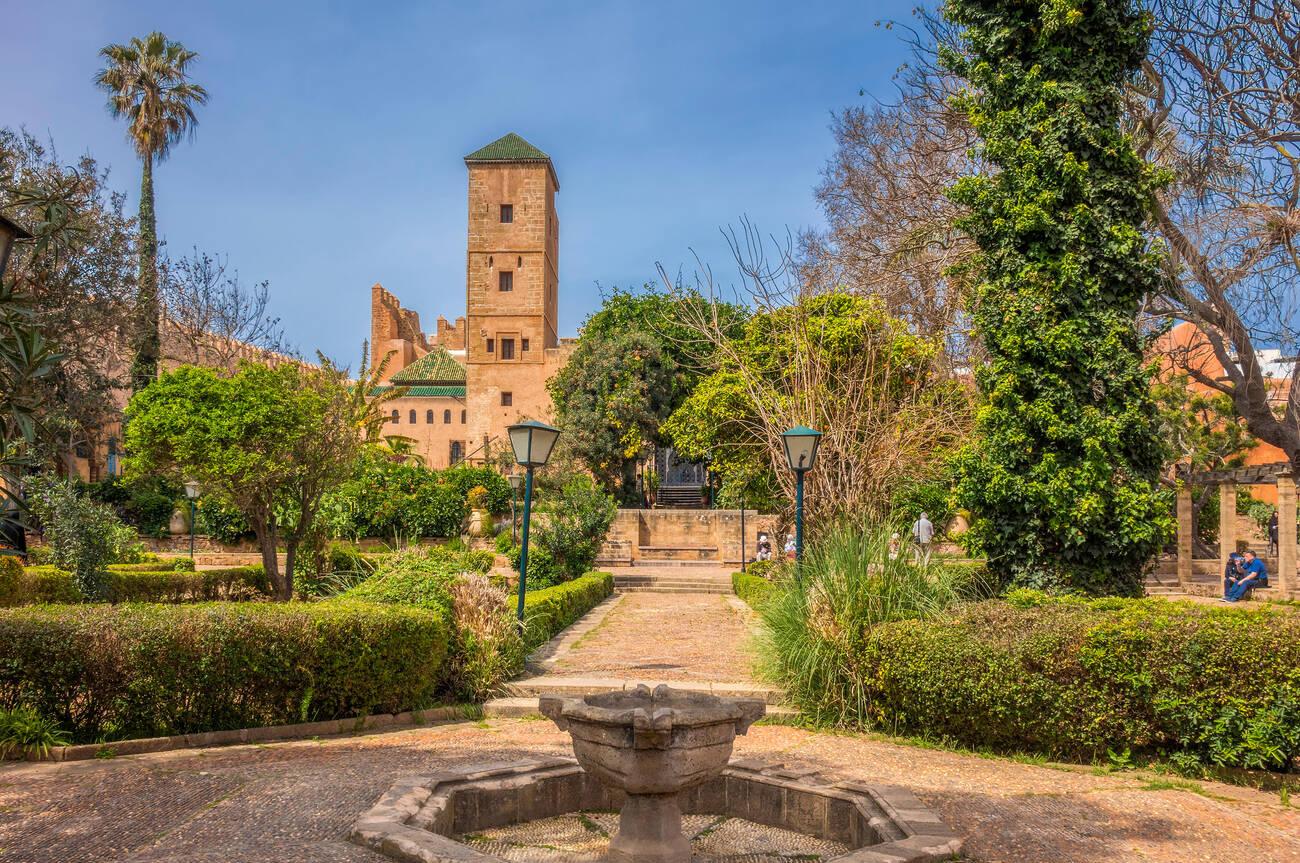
x,y
470,379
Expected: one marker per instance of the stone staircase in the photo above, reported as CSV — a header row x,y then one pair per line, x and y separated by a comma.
x,y
673,580
678,497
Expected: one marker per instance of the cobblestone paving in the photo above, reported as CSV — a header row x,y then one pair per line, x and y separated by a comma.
x,y
293,802
664,636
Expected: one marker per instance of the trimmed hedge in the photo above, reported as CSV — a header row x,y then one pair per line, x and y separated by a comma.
x,y
156,564
112,672
134,583
752,589
550,610
1076,677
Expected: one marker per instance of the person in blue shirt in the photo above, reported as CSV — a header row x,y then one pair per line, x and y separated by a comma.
x,y
1250,574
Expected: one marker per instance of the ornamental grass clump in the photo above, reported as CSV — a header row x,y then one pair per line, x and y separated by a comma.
x,y
486,645
815,624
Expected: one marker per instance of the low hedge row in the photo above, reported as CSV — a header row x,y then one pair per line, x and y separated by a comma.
x,y
551,609
1075,678
752,589
34,585
112,672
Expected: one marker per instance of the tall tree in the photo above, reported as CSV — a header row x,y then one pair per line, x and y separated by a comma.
x,y
147,82
1064,479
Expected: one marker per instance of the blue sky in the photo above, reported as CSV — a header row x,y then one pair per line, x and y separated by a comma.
x,y
329,155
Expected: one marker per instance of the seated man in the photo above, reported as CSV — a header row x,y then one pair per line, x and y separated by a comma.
x,y
1251,574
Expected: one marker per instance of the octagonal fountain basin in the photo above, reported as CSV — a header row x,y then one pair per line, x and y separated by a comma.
x,y
553,810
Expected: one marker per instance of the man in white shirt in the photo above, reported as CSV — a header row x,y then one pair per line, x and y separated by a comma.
x,y
923,536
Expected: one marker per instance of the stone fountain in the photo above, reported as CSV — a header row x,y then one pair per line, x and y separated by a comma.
x,y
652,756
651,746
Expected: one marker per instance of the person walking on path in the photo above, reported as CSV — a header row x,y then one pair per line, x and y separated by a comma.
x,y
923,536
1251,574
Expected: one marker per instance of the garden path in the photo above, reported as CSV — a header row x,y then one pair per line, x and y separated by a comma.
x,y
293,802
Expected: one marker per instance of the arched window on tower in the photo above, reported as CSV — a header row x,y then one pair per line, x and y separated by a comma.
x,y
428,417
393,418
412,416
462,417
446,417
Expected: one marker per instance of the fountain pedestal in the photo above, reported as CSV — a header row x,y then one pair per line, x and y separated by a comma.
x,y
652,745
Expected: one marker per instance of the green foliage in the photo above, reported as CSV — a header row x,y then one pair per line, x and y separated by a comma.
x,y
1077,677
83,536
34,584
766,568
134,583
25,731
815,626
419,576
221,520
547,612
932,496
577,518
1063,478
752,589
543,571
145,503
110,672
487,648
465,478
505,542
268,440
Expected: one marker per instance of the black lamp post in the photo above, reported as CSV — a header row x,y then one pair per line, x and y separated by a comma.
x,y
516,480
800,452
192,494
9,232
532,442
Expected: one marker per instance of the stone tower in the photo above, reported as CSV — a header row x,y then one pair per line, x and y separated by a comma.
x,y
512,286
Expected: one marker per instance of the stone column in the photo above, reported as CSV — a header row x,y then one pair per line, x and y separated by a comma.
x,y
1185,532
1227,523
1286,540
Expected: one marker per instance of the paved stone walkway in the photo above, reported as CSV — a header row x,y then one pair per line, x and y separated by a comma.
x,y
293,802
663,636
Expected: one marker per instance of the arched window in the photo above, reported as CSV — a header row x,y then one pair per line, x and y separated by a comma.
x,y
446,416
393,418
457,452
412,416
462,417
428,417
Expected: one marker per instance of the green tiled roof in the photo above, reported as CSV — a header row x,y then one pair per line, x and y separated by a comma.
x,y
444,391
435,367
508,148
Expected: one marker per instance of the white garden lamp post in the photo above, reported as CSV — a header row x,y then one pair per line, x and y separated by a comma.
x,y
532,442
801,445
192,494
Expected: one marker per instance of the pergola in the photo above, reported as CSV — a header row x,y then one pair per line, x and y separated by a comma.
x,y
1279,474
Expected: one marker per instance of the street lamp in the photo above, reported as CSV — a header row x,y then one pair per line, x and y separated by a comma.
x,y
516,480
9,232
532,442
800,452
191,492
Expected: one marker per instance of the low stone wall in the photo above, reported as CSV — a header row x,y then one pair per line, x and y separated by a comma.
x,y
686,535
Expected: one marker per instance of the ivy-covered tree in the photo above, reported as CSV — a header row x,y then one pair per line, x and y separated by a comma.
x,y
1063,481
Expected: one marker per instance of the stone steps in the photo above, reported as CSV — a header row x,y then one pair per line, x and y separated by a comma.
x,y
672,582
684,553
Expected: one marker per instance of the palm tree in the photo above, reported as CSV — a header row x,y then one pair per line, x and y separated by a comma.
x,y
147,83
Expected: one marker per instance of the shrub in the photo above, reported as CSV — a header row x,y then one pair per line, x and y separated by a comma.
x,y
486,646
505,543
34,584
145,503
221,520
1076,677
84,536
577,519
752,589
479,561
175,564
815,626
543,572
764,568
418,576
549,611
109,672
24,730
466,478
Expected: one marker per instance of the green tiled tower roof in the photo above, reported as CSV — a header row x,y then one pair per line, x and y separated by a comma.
x,y
435,367
512,148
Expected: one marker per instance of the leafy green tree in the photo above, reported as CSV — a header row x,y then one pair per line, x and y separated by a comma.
x,y
147,82
270,441
1063,482
611,398
637,360
838,362
570,533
